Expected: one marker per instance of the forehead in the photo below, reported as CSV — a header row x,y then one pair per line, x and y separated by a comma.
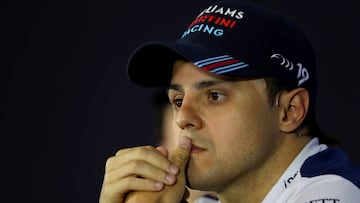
x,y
183,70
187,74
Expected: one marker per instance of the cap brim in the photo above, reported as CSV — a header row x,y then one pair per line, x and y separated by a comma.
x,y
151,64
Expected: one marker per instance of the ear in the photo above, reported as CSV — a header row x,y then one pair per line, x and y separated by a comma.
x,y
294,106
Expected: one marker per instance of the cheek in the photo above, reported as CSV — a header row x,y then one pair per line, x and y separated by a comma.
x,y
241,122
245,129
241,144
231,133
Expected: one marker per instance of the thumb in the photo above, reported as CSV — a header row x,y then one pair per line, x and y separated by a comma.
x,y
180,155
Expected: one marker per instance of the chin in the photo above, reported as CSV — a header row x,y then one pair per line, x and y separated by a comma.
x,y
197,180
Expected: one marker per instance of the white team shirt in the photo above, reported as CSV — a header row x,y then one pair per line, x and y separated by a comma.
x,y
206,199
317,175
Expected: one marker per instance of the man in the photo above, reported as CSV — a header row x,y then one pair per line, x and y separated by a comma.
x,y
242,83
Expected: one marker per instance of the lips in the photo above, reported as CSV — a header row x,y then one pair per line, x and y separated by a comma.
x,y
196,149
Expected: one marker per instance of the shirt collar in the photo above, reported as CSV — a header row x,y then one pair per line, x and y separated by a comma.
x,y
292,173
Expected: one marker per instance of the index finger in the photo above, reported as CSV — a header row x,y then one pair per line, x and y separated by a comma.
x,y
146,154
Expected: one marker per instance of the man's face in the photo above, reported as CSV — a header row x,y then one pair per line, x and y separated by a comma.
x,y
232,126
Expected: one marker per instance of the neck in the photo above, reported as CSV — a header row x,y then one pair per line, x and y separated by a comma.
x,y
256,184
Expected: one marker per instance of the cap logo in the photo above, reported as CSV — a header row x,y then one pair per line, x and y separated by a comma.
x,y
234,13
220,64
205,29
302,72
213,20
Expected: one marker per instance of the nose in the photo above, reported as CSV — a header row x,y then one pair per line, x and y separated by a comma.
x,y
187,116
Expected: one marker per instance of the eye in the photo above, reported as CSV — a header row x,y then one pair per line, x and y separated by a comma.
x,y
215,96
177,102
176,98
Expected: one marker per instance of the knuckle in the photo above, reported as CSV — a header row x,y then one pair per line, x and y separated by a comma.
x,y
106,191
119,152
149,147
140,151
109,163
137,165
127,182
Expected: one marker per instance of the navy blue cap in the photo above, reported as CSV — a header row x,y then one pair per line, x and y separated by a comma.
x,y
236,39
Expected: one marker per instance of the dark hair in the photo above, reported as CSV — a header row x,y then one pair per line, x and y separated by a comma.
x,y
274,86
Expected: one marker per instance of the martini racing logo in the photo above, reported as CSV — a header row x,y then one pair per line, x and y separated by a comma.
x,y
213,20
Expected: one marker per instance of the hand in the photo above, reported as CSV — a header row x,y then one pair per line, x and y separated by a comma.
x,y
170,194
136,169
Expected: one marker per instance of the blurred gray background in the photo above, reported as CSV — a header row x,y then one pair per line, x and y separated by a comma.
x,y
67,103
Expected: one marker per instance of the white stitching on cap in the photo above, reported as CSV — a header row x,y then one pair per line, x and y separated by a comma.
x,y
302,75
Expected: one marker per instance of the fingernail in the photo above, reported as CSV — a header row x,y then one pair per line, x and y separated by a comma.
x,y
170,178
185,142
159,185
174,169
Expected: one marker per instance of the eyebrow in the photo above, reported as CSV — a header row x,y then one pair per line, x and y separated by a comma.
x,y
199,85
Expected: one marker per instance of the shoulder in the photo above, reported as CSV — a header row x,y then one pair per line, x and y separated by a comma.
x,y
323,188
331,161
327,176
